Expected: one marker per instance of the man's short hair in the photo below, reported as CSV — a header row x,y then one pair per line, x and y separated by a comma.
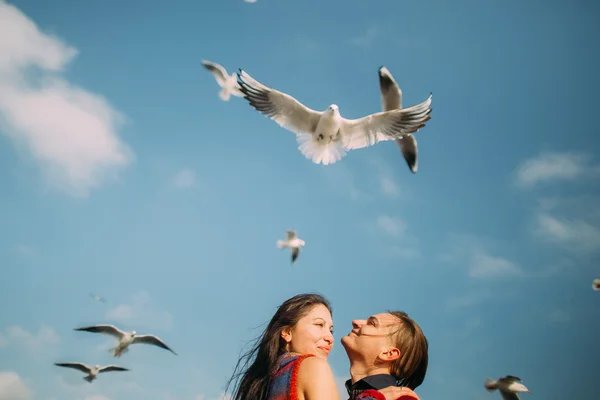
x,y
410,368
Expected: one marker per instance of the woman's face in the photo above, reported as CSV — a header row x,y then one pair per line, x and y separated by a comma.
x,y
313,334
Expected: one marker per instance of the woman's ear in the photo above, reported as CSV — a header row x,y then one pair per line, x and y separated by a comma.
x,y
286,334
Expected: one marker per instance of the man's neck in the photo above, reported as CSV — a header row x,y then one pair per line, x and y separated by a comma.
x,y
358,372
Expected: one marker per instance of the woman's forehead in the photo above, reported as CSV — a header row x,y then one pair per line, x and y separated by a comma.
x,y
319,311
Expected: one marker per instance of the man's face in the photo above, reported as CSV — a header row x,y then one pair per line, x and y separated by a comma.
x,y
370,337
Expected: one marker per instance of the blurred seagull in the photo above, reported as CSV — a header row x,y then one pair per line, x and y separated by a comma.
x,y
596,284
125,338
98,297
293,242
91,372
508,387
228,83
325,136
391,99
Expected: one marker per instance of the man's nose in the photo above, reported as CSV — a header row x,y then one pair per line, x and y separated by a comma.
x,y
357,323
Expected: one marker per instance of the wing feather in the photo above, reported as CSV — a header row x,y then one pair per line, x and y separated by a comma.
x,y
393,124
217,70
153,340
282,108
78,366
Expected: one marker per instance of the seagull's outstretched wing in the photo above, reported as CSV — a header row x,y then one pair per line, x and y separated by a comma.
x,y
366,131
509,395
391,99
106,329
295,254
282,108
290,234
408,147
151,339
511,378
217,70
109,368
78,366
391,95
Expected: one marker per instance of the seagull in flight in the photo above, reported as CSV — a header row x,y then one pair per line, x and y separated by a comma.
x,y
91,372
98,298
125,338
596,284
228,83
391,99
293,242
508,386
325,136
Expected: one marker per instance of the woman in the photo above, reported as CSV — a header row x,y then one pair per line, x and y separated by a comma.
x,y
289,360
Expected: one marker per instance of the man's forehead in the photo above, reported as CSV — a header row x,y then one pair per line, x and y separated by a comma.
x,y
386,319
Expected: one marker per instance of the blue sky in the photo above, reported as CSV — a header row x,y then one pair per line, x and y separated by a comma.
x,y
124,174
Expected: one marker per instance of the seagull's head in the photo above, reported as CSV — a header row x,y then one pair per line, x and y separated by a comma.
x,y
333,109
97,366
133,333
518,387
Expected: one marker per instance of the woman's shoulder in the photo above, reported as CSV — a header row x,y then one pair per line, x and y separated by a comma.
x,y
315,379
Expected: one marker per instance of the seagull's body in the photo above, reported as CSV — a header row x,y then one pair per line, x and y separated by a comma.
x,y
91,372
508,386
125,338
596,284
293,242
98,298
228,83
325,136
391,99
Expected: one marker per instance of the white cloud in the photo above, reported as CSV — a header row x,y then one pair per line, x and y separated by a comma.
x,y
185,178
25,251
474,253
141,312
572,223
33,342
558,316
389,187
554,167
3,341
391,225
12,387
71,132
467,299
576,235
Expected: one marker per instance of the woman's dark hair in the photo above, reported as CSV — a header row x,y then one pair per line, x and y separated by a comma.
x,y
252,373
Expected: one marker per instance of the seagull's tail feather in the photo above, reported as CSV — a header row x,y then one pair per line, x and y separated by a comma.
x,y
490,384
89,378
319,153
281,244
224,94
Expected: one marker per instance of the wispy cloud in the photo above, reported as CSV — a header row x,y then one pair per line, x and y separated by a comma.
x,y
550,167
25,251
394,240
71,132
558,316
473,252
389,188
32,342
185,178
467,299
383,33
340,179
12,387
572,223
141,311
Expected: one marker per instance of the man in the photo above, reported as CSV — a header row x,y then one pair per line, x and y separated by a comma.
x,y
387,349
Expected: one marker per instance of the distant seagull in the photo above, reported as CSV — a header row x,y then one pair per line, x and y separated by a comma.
x,y
508,387
293,242
326,136
98,297
391,99
228,83
91,372
596,284
125,338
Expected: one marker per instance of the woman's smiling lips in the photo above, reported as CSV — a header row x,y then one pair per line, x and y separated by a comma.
x,y
325,349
